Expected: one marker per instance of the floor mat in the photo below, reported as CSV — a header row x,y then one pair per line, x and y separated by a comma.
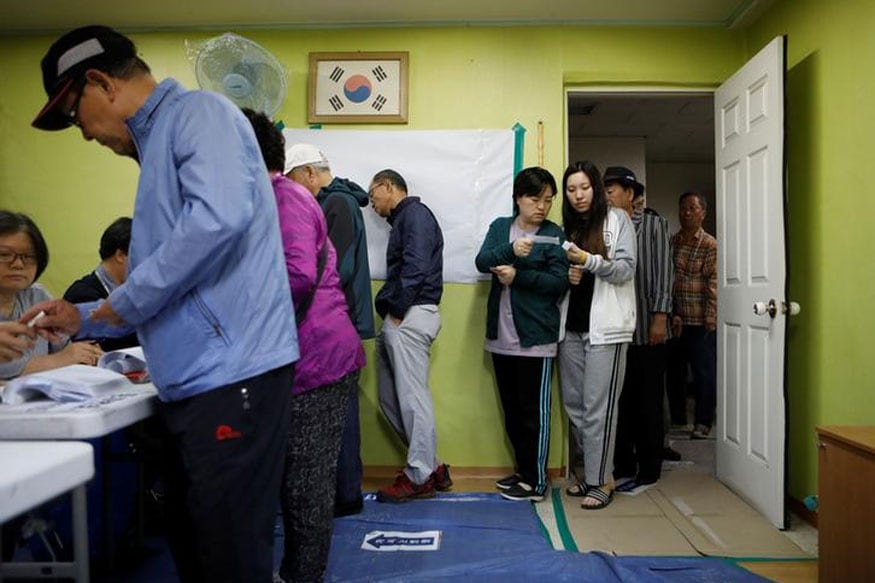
x,y
684,514
486,538
472,528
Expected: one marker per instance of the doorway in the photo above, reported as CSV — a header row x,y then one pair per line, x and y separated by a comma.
x,y
751,197
667,138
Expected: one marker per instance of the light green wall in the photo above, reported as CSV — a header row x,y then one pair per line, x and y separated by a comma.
x,y
830,129
459,78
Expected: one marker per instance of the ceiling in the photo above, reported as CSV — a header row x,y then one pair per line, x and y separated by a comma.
x,y
37,16
676,127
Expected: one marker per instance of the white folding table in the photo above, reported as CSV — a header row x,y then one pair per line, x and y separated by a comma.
x,y
33,472
86,420
50,420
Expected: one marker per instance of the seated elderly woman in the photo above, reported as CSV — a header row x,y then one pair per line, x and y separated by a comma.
x,y
23,258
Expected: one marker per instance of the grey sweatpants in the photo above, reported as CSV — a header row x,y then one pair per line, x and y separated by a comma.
x,y
592,379
402,377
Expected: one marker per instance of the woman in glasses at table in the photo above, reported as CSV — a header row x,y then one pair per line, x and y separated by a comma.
x,y
23,258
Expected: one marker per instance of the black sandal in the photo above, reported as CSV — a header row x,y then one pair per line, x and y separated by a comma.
x,y
596,493
578,490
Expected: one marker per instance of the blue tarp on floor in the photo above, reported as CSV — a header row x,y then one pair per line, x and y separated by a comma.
x,y
486,538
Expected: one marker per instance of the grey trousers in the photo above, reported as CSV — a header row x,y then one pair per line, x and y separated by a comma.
x,y
402,377
592,380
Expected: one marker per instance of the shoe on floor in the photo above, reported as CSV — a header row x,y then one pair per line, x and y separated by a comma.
x,y
349,508
577,490
629,485
622,479
522,491
508,482
646,480
403,490
700,432
441,479
602,498
671,455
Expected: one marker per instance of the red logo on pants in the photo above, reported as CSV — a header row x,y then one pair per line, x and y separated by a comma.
x,y
224,432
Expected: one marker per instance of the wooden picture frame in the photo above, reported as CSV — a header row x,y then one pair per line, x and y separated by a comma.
x,y
358,87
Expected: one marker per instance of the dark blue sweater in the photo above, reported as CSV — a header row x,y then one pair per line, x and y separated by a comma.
x,y
414,260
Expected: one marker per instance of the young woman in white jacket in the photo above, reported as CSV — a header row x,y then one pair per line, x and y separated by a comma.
x,y
599,325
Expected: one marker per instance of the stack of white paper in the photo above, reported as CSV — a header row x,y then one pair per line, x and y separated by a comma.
x,y
77,382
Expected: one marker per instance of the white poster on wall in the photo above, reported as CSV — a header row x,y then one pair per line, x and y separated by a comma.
x,y
464,176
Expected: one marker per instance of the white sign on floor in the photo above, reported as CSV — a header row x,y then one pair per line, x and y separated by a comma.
x,y
379,540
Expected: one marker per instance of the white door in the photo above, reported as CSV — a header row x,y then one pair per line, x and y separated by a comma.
x,y
751,408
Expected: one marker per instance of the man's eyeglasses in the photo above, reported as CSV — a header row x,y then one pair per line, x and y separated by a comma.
x,y
73,114
375,187
9,257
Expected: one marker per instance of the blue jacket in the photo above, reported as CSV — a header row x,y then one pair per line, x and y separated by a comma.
x,y
414,260
207,289
340,202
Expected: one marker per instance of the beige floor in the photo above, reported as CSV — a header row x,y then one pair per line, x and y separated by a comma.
x,y
784,571
684,477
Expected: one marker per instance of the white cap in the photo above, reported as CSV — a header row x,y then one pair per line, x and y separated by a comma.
x,y
302,154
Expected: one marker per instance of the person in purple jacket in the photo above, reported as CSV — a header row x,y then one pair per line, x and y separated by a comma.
x,y
326,376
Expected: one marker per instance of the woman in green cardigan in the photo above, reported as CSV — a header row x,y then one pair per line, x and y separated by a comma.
x,y
529,275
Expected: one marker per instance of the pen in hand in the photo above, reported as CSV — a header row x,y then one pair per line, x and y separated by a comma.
x,y
36,319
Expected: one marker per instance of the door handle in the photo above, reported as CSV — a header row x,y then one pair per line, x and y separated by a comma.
x,y
771,308
790,308
762,308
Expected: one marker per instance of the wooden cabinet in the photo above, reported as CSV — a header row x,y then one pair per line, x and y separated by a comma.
x,y
846,509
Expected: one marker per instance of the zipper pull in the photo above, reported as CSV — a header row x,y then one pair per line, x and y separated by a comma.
x,y
244,392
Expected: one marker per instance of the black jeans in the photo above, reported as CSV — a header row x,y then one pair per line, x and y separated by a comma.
x,y
697,348
224,458
349,462
640,430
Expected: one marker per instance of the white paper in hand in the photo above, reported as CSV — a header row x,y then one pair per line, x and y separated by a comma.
x,y
544,239
125,360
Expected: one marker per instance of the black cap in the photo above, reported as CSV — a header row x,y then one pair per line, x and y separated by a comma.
x,y
625,177
89,47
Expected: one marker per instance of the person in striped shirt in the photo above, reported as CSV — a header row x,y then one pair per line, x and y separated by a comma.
x,y
694,319
640,430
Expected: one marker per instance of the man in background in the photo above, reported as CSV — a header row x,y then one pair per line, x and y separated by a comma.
x,y
408,303
341,201
638,454
207,293
110,273
694,319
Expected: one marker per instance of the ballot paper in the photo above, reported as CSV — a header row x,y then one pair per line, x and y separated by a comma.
x,y
124,360
546,239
